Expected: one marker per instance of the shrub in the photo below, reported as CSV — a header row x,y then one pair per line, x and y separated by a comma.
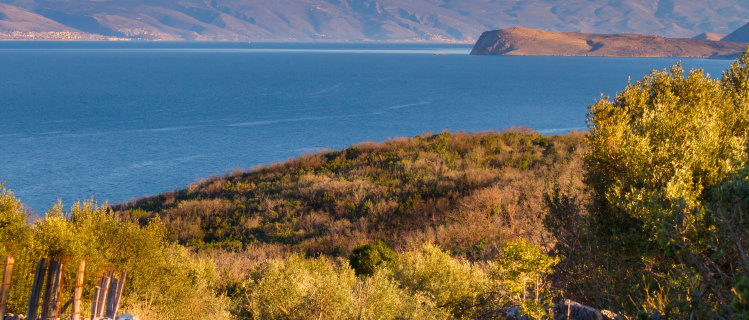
x,y
380,297
463,289
163,280
524,265
657,151
368,258
299,288
13,217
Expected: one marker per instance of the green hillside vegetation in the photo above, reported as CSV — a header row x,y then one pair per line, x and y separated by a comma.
x,y
647,215
462,191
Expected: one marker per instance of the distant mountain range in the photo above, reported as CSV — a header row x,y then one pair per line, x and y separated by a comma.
x,y
357,20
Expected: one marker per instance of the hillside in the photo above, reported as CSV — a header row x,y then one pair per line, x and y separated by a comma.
x,y
358,20
17,23
739,35
711,36
531,42
461,191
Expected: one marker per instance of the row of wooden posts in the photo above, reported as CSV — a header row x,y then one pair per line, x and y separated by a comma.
x,y
104,303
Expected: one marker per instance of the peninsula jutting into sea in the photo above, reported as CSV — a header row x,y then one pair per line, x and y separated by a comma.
x,y
519,41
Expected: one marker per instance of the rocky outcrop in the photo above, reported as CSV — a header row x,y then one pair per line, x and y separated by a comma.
x,y
515,313
579,311
576,311
519,41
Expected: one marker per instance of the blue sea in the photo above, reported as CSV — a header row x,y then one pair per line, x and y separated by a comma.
x,y
117,121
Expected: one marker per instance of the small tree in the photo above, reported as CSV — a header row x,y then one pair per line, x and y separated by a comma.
x,y
524,265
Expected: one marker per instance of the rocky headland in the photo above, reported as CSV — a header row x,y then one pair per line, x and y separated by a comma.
x,y
519,41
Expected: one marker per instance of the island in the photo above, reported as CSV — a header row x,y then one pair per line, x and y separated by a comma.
x,y
518,41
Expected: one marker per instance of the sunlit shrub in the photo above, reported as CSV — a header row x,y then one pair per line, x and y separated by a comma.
x,y
522,270
659,149
163,280
299,288
458,286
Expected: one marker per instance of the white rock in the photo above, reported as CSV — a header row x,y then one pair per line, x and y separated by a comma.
x,y
127,316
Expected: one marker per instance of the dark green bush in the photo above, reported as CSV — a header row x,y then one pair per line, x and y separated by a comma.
x,y
368,258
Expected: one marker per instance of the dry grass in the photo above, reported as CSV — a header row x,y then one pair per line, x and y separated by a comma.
x,y
464,192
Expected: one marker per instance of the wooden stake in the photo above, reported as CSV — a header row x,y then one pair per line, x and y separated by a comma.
x,y
47,299
110,298
103,296
537,280
56,291
36,289
7,273
94,301
78,290
569,309
120,287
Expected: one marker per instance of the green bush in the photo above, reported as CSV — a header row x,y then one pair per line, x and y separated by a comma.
x,y
463,289
299,288
522,270
163,280
368,258
657,151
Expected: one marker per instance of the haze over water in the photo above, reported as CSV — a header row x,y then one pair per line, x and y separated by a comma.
x,y
123,120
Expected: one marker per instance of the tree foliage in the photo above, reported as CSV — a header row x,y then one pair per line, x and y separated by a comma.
x,y
661,154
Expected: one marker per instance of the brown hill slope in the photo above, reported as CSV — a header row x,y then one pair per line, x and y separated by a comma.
x,y
462,191
710,36
530,42
17,23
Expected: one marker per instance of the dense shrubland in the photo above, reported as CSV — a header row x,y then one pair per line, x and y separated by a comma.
x,y
467,194
463,191
165,281
647,214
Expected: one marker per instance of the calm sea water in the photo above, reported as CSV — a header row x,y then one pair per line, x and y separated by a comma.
x,y
122,120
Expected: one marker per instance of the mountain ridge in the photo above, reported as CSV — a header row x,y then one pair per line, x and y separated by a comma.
x,y
359,20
